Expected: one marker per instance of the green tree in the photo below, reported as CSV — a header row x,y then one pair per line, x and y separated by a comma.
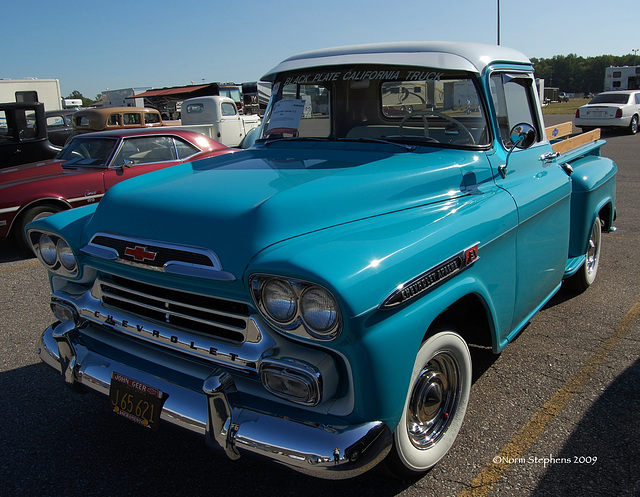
x,y
576,74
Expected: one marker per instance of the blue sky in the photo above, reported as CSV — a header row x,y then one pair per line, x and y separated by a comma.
x,y
93,46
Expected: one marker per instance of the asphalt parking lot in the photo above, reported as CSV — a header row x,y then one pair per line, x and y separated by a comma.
x,y
556,414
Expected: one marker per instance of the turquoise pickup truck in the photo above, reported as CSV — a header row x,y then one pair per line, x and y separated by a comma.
x,y
312,299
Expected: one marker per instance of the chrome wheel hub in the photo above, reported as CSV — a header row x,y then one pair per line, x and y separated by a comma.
x,y
592,253
433,401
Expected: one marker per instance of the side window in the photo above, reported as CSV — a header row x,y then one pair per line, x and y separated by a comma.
x,y
185,149
145,150
6,133
132,119
228,109
54,121
151,118
27,125
114,120
513,99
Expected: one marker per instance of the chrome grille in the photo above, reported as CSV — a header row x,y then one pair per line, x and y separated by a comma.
x,y
201,314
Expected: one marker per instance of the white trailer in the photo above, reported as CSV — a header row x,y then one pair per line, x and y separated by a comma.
x,y
622,78
46,91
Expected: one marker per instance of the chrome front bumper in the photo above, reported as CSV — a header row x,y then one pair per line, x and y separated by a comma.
x,y
325,451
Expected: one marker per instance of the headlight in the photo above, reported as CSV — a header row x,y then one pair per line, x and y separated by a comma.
x,y
54,252
280,300
319,310
298,307
48,250
65,255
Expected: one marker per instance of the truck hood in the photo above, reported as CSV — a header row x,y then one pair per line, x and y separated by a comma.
x,y
241,203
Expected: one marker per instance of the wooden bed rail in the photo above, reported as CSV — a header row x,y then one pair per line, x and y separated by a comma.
x,y
560,131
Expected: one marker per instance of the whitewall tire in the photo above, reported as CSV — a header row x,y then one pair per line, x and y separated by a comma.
x,y
435,405
586,275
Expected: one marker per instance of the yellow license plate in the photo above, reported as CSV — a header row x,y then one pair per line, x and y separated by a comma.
x,y
136,401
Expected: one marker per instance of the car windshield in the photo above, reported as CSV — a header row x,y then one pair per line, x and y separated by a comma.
x,y
400,104
610,98
85,151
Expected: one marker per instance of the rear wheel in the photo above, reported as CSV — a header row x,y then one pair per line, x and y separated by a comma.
x,y
586,275
435,405
633,125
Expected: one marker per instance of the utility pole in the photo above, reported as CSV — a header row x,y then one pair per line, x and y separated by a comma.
x,y
635,56
498,22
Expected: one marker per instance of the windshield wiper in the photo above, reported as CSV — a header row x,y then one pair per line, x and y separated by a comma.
x,y
366,139
269,141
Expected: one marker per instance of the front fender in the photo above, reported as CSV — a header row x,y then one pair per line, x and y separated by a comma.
x,y
363,262
69,224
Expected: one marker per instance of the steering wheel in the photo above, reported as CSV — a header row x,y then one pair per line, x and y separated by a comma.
x,y
425,112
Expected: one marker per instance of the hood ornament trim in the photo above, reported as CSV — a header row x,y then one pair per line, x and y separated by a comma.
x,y
162,256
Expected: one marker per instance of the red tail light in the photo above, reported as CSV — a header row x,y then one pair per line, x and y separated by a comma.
x,y
618,113
577,113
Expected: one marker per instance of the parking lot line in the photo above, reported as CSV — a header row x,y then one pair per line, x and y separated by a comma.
x,y
482,484
3,271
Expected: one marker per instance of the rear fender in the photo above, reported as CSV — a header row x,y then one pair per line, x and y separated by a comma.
x,y
593,193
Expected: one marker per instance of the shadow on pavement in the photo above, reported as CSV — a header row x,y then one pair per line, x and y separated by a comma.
x,y
610,432
72,444
9,252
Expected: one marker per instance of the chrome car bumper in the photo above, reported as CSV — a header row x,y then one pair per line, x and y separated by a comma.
x,y
325,451
602,122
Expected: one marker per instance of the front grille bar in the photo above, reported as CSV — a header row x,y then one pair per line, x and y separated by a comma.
x,y
167,306
179,309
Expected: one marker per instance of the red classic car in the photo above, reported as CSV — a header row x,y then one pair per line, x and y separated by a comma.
x,y
87,167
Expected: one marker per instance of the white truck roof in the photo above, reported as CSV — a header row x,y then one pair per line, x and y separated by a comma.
x,y
474,57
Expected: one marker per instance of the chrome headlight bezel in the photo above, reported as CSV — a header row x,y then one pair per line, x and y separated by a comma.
x,y
298,320
62,261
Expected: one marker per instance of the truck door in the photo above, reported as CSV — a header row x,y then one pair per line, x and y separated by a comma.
x,y
541,192
231,128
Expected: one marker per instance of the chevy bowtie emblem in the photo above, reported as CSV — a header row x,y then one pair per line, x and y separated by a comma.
x,y
140,254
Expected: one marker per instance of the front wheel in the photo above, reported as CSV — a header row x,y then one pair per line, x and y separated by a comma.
x,y
435,405
586,275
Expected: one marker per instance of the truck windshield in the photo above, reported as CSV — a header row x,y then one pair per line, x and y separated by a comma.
x,y
412,105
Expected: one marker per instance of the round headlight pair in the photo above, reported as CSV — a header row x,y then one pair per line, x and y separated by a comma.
x,y
298,307
55,253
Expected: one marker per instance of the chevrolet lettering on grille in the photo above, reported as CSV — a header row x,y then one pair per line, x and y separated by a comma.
x,y
140,254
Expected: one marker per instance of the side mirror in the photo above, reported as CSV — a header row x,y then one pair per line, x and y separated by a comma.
x,y
522,136
125,163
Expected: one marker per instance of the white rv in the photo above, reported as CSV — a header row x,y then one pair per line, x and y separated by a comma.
x,y
46,91
622,78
